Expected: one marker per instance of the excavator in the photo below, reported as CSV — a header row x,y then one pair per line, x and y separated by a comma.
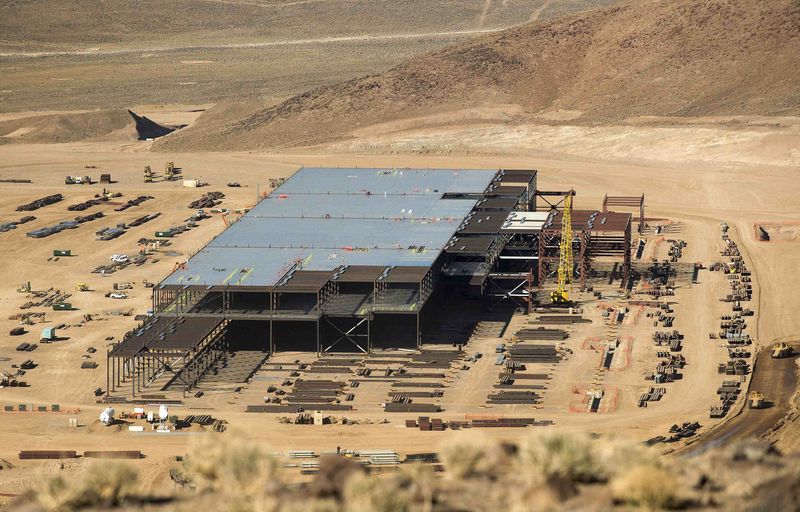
x,y
562,291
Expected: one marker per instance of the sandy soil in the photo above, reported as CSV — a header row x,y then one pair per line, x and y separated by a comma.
x,y
697,195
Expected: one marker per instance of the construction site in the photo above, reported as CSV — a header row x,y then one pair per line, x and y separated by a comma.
x,y
369,301
358,260
385,233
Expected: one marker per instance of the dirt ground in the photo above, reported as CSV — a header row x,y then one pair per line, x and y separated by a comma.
x,y
698,197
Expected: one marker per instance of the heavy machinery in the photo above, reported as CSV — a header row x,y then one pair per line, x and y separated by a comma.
x,y
148,174
781,350
565,269
755,400
24,288
169,171
81,287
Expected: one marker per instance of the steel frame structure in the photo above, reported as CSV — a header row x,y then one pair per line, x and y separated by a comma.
x,y
628,202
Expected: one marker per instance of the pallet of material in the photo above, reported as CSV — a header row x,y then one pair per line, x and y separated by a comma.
x,y
504,422
541,334
297,408
519,386
562,319
409,375
38,203
416,394
438,366
47,454
113,454
401,407
526,376
418,384
328,369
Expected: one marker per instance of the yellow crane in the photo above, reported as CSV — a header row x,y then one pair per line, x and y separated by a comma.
x,y
561,294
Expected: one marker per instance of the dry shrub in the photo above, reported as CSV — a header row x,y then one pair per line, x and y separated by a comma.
x,y
233,466
412,487
529,492
334,471
646,486
364,493
559,457
472,455
105,484
54,494
616,456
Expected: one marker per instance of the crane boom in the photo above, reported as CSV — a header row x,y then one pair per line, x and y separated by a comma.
x,y
565,267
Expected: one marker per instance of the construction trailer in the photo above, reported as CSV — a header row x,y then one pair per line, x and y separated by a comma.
x,y
345,260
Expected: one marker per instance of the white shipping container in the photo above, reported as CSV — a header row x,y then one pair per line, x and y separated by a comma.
x,y
190,183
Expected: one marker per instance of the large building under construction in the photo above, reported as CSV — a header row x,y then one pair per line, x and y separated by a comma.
x,y
356,259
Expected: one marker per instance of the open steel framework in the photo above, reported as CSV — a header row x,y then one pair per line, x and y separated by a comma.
x,y
353,260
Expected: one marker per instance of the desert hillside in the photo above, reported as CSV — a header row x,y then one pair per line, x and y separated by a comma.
x,y
641,58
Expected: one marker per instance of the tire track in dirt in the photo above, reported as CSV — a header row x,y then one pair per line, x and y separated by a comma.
x,y
487,4
263,44
537,13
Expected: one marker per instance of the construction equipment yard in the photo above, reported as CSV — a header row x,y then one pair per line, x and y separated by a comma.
x,y
628,364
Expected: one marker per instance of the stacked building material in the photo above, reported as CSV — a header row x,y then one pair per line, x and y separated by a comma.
x,y
540,334
208,200
8,226
133,202
47,454
411,407
64,224
524,352
38,203
514,397
113,454
652,395
562,319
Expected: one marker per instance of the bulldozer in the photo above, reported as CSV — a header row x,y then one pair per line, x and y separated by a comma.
x,y
169,171
148,174
755,400
82,287
781,350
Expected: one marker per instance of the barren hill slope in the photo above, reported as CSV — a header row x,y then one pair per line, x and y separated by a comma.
x,y
662,58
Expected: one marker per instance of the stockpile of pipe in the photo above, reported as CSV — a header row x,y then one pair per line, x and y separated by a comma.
x,y
8,226
209,200
541,334
38,203
133,202
524,352
562,319
514,397
653,395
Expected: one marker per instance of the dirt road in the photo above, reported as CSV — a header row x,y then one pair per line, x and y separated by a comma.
x,y
777,379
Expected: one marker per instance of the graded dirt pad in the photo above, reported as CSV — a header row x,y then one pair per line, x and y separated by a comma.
x,y
117,124
675,58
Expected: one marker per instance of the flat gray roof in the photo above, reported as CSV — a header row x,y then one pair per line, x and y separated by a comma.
x,y
335,180
323,218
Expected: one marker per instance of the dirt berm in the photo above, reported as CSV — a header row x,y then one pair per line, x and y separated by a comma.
x,y
118,124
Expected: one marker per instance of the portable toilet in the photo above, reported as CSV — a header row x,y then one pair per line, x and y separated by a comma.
x,y
48,333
